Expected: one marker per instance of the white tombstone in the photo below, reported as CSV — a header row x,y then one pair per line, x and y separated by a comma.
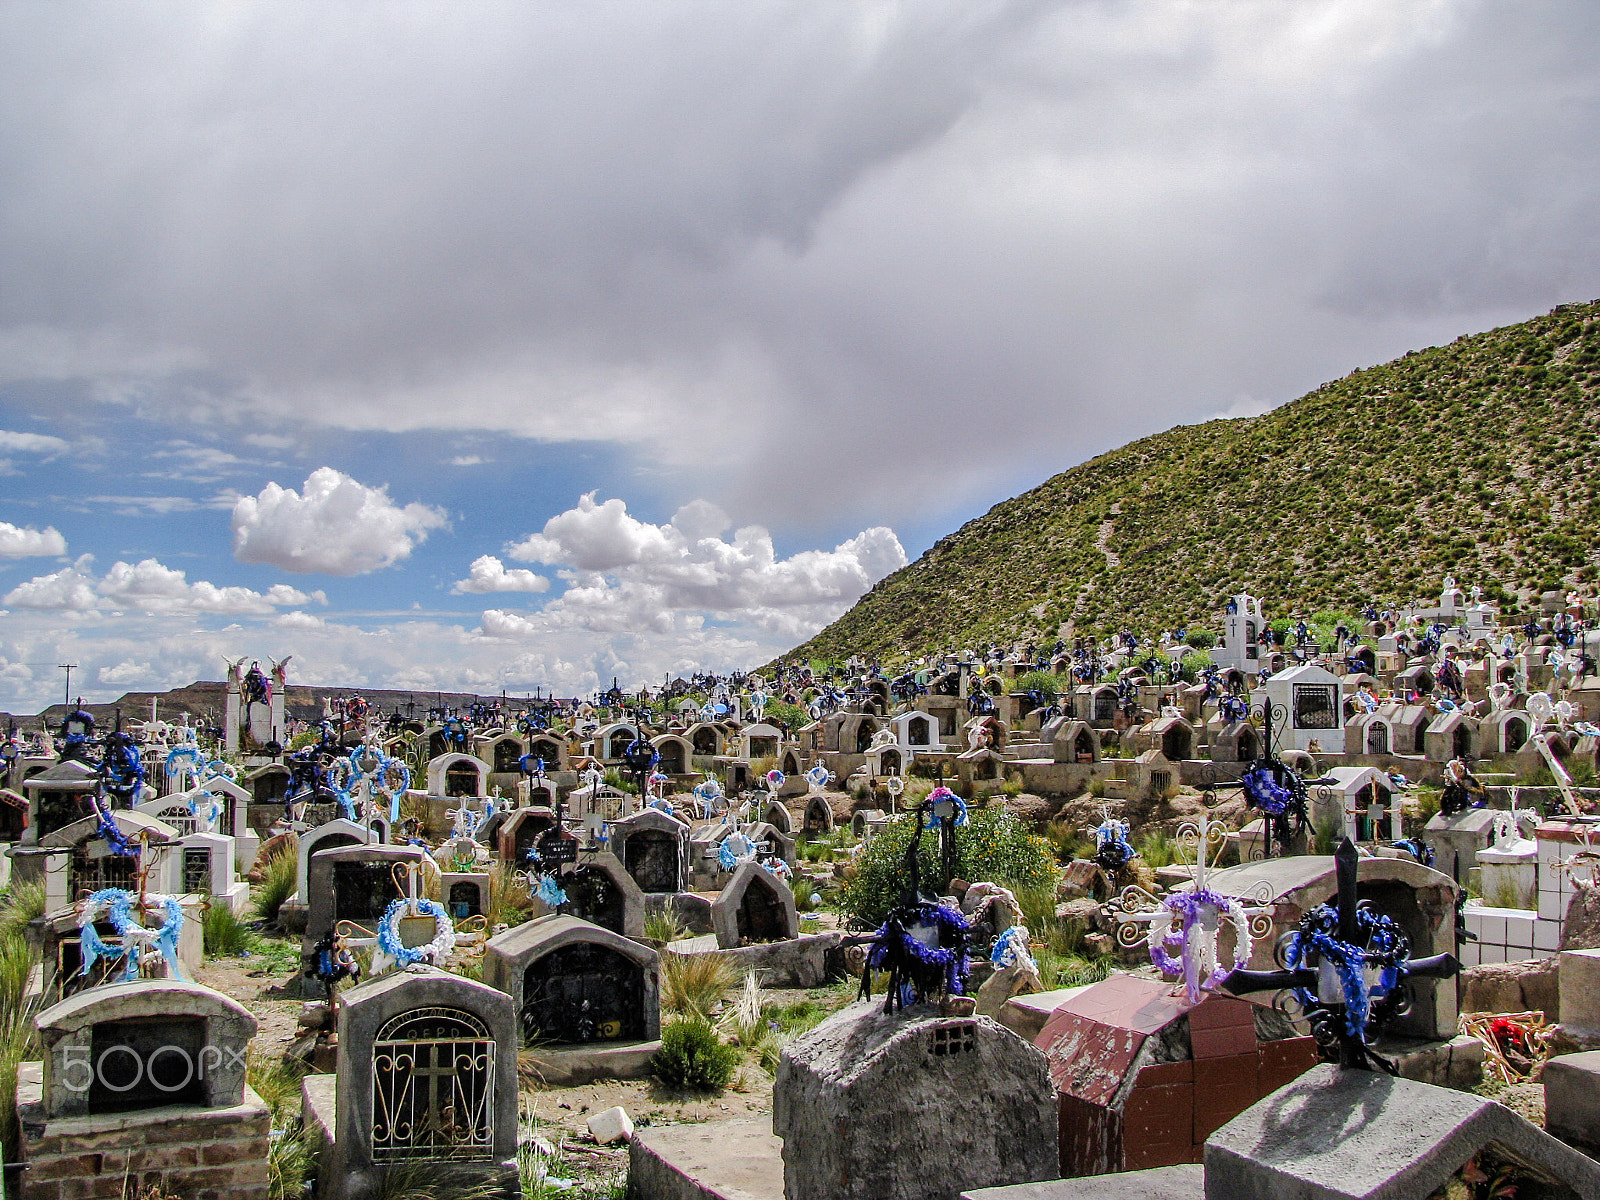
x,y
1242,630
1311,700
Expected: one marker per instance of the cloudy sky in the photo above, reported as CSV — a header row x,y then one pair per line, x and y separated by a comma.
x,y
477,345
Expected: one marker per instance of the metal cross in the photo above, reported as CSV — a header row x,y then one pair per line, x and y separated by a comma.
x,y
1319,979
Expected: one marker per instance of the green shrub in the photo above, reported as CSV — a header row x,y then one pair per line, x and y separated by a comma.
x,y
277,881
693,1058
1156,849
994,847
224,933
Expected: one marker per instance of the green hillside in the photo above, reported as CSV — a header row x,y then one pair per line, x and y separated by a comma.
x,y
1479,458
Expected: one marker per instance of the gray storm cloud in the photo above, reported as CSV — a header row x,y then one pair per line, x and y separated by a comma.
x,y
894,257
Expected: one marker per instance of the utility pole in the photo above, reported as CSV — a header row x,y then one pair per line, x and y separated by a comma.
x,y
68,668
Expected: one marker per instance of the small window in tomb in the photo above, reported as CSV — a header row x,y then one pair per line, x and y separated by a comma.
x,y
466,899
94,869
1160,781
583,992
864,732
549,751
147,1062
507,757
461,780
1378,739
270,786
1316,706
762,747
945,1040
1105,706
705,741
432,1085
197,870
917,733
619,743
528,835
58,810
1251,644
762,916
592,895
362,890
69,962
671,758
651,857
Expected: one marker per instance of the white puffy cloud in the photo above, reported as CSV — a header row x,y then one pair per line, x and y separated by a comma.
x,y
626,574
32,443
124,673
26,542
595,537
68,590
488,574
148,586
333,526
298,619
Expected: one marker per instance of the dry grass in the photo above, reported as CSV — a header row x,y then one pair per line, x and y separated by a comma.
x,y
510,901
694,984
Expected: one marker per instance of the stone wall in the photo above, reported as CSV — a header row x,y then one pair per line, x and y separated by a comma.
x,y
197,1153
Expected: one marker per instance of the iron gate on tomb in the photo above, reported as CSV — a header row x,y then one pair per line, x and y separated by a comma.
x,y
432,1080
583,992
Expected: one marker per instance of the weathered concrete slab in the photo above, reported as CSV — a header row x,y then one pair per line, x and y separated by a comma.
x,y
577,1065
800,962
1185,1182
1572,1099
1026,1015
1358,1135
728,1160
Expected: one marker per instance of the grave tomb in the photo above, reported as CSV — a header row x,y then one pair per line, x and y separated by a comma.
x,y
818,816
520,834
587,997
1420,899
89,865
754,906
777,815
151,1075
357,884
1144,1076
654,849
61,951
1360,1135
600,891
426,1074
910,1107
464,893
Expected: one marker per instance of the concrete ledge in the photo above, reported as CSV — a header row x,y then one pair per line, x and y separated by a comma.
x,y
569,1067
1185,1182
800,962
1456,1064
1571,1092
729,1160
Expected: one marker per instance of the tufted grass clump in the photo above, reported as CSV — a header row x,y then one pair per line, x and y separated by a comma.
x,y
277,881
692,985
223,933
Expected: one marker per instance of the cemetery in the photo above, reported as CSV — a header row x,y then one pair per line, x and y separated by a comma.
x,y
1293,911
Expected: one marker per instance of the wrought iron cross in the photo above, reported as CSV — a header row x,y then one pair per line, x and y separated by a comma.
x,y
1325,987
